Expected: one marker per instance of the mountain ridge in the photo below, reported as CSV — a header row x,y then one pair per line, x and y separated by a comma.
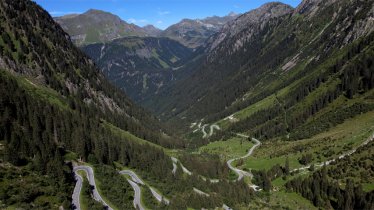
x,y
97,26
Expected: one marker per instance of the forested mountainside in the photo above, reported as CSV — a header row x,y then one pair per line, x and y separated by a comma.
x,y
54,102
294,56
96,26
194,33
140,66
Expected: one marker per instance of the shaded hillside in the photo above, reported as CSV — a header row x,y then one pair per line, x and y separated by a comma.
x,y
139,66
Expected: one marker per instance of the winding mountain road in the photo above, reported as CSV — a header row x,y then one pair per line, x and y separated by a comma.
x,y
201,128
175,162
133,175
91,181
135,185
159,197
136,181
328,162
238,171
77,191
137,197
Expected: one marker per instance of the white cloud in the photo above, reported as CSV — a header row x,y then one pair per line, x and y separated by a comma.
x,y
159,22
163,12
133,20
55,13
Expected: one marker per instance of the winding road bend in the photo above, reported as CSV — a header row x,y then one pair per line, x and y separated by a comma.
x,y
77,191
175,162
135,182
91,181
238,171
137,197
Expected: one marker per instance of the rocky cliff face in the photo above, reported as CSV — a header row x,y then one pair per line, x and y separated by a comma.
x,y
246,26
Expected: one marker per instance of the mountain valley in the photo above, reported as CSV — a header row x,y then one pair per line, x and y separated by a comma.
x,y
269,109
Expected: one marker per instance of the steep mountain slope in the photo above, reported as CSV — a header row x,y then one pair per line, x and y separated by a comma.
x,y
267,50
139,66
210,73
96,26
55,105
194,33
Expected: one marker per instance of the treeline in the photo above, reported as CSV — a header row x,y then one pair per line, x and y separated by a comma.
x,y
324,193
207,165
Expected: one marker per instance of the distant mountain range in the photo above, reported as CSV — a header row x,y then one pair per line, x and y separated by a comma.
x,y
96,26
140,60
194,33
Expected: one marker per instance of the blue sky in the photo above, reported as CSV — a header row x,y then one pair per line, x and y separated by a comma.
x,y
161,13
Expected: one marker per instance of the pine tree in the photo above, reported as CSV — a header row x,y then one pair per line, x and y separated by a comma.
x,y
287,166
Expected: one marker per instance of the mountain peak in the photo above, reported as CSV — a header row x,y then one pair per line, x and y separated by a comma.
x,y
232,14
151,30
95,26
150,26
251,19
96,11
100,14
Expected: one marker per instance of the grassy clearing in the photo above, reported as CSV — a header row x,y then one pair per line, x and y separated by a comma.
x,y
40,91
250,110
280,200
128,136
290,200
234,147
368,187
70,156
324,146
